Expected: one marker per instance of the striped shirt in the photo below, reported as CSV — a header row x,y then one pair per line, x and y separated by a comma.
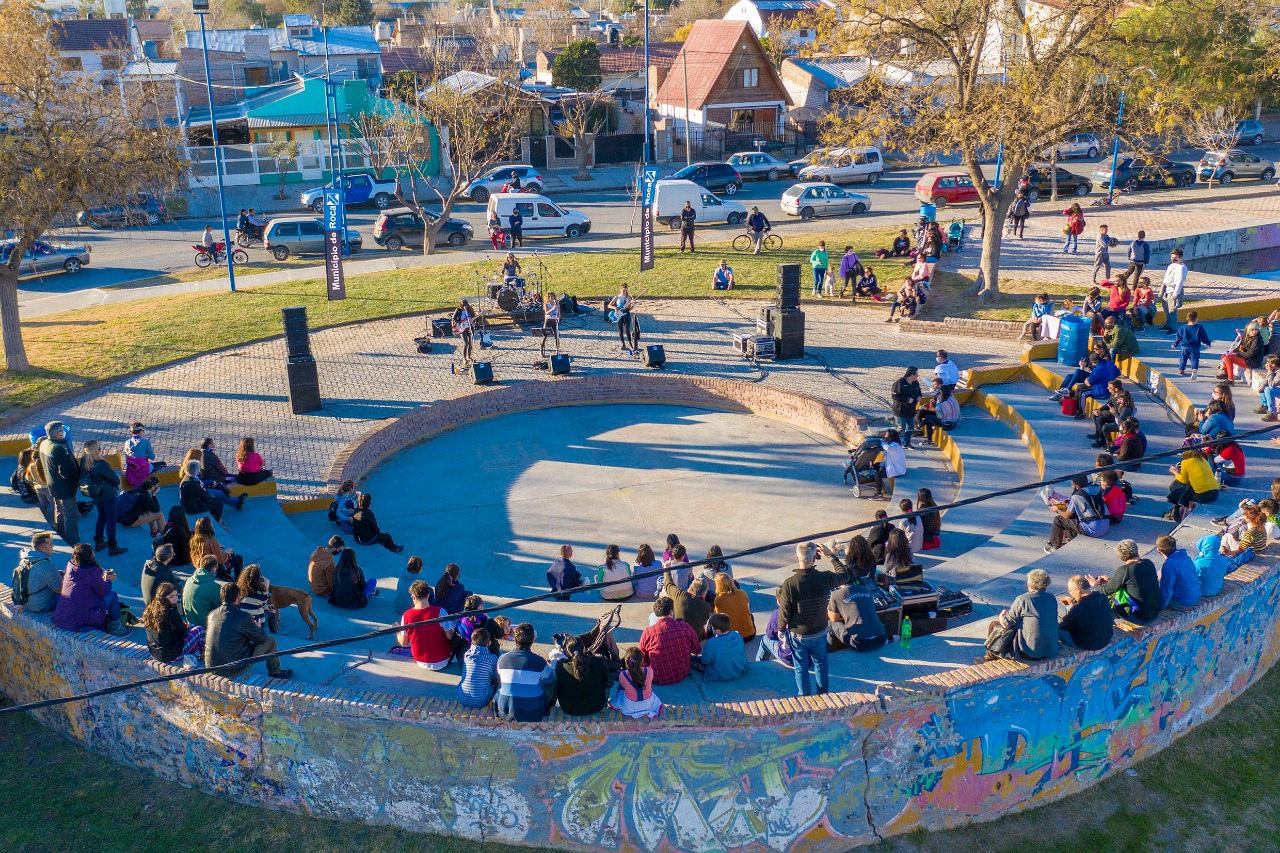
x,y
475,690
521,696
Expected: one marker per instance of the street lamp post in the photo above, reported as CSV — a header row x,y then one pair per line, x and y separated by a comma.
x,y
1115,148
201,8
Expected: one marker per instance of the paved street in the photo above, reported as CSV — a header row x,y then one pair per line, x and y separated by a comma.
x,y
130,254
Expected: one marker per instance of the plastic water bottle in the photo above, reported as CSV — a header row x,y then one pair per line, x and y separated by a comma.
x,y
904,639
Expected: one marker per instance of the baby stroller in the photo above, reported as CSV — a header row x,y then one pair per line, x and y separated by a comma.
x,y
955,234
862,464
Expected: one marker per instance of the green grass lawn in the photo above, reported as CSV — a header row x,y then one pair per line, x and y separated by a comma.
x,y
80,348
1217,789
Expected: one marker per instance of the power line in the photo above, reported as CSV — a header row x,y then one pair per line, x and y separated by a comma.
x,y
522,602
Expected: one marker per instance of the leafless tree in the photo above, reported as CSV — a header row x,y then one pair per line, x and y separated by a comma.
x,y
584,116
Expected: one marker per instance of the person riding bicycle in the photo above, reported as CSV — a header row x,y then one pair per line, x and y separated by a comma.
x,y
757,224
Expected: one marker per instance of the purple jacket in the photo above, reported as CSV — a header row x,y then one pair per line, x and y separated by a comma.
x,y
848,263
81,605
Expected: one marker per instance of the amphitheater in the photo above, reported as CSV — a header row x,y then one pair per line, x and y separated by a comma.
x,y
726,452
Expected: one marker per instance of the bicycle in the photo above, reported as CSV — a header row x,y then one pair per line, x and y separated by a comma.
x,y
1113,198
205,258
746,242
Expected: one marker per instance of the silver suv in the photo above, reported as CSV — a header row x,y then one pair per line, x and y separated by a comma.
x,y
1222,166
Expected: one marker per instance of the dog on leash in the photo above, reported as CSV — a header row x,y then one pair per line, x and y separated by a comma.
x,y
284,596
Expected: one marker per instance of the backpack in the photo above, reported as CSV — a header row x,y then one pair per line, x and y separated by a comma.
x,y
333,510
89,485
1097,506
21,583
125,502
1021,207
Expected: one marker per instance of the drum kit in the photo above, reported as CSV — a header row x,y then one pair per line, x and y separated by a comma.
x,y
519,297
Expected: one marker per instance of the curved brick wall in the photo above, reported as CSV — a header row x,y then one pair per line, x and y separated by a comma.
x,y
788,775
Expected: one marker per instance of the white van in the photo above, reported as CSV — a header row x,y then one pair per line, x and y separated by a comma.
x,y
670,197
542,216
846,165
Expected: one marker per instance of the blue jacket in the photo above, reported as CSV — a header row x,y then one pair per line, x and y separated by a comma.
x,y
1211,565
1140,252
1217,421
1179,580
1191,337
724,657
1100,376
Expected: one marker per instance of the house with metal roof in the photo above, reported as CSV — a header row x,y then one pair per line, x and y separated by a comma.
x,y
91,45
786,19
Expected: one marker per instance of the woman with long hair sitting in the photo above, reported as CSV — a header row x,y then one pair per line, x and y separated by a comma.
x,y
205,544
169,637
250,467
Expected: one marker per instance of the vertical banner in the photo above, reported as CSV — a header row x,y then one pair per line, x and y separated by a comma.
x,y
337,286
648,187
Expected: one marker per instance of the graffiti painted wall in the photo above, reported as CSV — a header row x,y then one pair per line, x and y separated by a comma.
x,y
753,777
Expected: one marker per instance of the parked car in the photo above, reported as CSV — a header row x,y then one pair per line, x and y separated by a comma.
x,y
1077,145
809,199
395,229
1069,183
1224,166
494,180
359,188
301,235
542,216
811,159
943,188
43,256
717,177
1246,132
759,165
1134,173
670,196
136,209
846,165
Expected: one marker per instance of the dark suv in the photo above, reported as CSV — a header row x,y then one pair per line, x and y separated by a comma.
x,y
395,229
1069,183
717,177
136,209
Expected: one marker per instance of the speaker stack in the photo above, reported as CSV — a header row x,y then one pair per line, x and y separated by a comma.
x,y
304,380
788,294
784,321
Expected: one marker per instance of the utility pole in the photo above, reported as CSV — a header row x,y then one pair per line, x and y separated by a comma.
x,y
201,8
688,141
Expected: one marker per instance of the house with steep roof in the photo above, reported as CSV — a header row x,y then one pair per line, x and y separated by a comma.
x,y
785,19
621,66
722,78
92,45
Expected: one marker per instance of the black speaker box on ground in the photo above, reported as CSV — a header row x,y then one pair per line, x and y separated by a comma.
x,y
296,336
441,328
559,364
304,385
653,356
482,372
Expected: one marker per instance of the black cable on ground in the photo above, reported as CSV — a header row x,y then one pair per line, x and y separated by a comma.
x,y
533,599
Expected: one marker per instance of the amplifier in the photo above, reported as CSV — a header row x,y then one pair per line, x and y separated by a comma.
x,y
304,385
653,356
953,604
761,349
790,347
919,597
482,372
740,343
787,324
559,364
441,328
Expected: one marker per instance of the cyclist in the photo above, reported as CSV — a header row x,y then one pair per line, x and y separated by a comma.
x,y
757,224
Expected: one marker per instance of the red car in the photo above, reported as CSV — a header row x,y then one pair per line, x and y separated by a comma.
x,y
943,188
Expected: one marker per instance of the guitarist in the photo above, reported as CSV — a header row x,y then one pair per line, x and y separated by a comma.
x,y
621,308
462,319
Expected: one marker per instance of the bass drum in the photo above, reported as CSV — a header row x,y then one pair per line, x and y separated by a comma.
x,y
508,299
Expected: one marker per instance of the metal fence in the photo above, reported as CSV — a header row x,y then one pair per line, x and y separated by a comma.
x,y
717,143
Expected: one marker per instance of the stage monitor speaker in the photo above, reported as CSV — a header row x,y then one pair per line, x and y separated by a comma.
x,y
653,356
482,372
559,364
296,336
304,385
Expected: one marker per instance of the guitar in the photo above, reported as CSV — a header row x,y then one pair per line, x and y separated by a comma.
x,y
615,315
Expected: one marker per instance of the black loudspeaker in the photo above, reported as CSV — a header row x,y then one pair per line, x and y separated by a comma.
x,y
788,293
787,330
441,328
482,372
296,336
559,364
304,385
653,356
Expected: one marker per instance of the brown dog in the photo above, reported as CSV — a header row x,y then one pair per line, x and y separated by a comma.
x,y
283,596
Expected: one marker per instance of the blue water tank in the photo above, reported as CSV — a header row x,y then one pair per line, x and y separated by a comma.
x,y
1073,340
929,212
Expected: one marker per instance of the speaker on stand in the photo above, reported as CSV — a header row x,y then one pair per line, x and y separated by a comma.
x,y
304,378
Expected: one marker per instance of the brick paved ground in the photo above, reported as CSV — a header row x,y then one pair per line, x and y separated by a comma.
x,y
371,372
1162,215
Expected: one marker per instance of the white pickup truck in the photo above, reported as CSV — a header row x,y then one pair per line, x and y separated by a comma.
x,y
360,188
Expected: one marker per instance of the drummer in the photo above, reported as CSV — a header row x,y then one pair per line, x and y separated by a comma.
x,y
511,271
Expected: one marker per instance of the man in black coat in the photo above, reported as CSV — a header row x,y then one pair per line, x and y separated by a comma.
x,y
906,396
63,473
232,635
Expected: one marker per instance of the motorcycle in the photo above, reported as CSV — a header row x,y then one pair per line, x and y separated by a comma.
x,y
205,258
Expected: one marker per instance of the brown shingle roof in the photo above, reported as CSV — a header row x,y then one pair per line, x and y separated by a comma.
x,y
713,50
96,34
156,31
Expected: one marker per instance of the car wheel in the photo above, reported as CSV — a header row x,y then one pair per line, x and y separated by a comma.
x,y
1267,174
1033,195
534,188
394,244
939,201
479,195
573,231
1083,189
153,219
1257,139
280,253
730,188
734,219
873,178
859,209
457,239
1226,178
1093,152
772,175
806,213
674,223
382,200
72,265
1186,180
1130,185
318,205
